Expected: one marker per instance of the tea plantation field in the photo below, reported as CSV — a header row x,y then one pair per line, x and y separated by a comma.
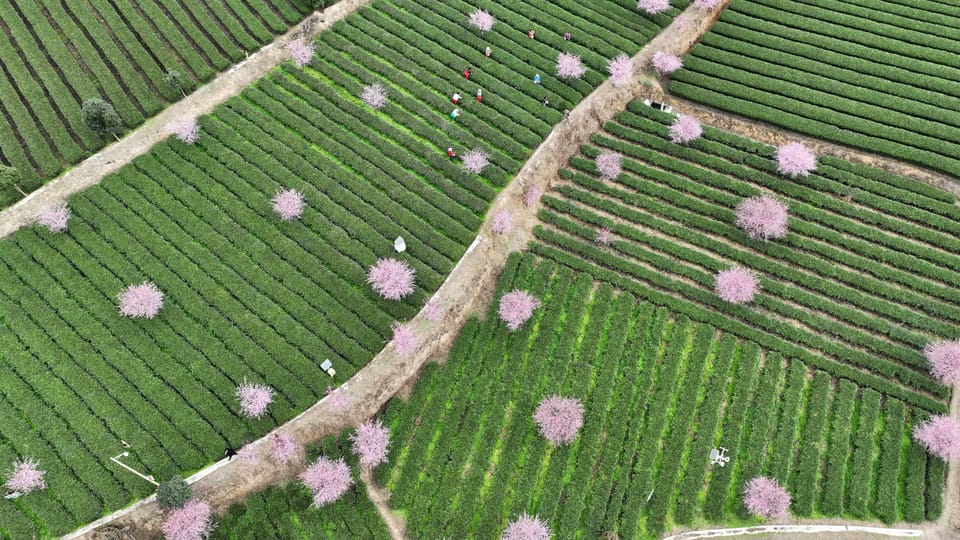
x,y
660,391
55,55
862,281
880,75
248,296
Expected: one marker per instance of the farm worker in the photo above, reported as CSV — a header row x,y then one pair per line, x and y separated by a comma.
x,y
566,36
536,79
479,95
466,73
530,34
229,453
487,52
456,98
454,114
546,102
451,153
566,114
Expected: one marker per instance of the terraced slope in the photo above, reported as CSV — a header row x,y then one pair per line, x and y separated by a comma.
x,y
248,296
54,55
878,75
660,391
863,280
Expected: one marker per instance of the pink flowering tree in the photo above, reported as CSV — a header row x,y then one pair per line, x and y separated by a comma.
x,y
502,221
516,307
301,52
404,340
141,301
370,443
433,309
531,195
54,218
794,159
328,480
736,285
559,419
186,130
526,527
620,69
569,66
25,476
762,218
940,435
374,95
653,7
707,5
685,129
391,279
604,236
254,399
766,498
288,204
284,448
608,165
665,63
944,359
475,161
482,20
189,522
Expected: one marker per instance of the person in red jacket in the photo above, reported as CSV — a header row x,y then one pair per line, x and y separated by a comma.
x,y
456,98
451,154
479,95
466,73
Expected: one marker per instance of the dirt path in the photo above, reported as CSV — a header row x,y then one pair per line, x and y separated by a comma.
x,y
774,135
380,498
202,101
949,524
466,292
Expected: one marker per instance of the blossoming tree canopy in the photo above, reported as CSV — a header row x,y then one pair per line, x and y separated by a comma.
x,y
141,301
795,159
653,7
620,69
685,129
54,217
762,218
482,20
288,204
404,339
327,480
516,307
944,359
301,52
559,419
940,435
570,66
736,285
665,63
766,498
370,443
25,476
254,399
475,161
190,522
608,165
374,95
526,527
391,279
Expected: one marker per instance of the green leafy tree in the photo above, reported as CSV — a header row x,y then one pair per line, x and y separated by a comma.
x,y
174,79
173,493
10,177
100,117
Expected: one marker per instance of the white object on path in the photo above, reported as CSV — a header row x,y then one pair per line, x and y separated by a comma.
x,y
399,245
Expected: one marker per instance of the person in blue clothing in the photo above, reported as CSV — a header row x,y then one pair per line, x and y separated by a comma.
x,y
536,79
